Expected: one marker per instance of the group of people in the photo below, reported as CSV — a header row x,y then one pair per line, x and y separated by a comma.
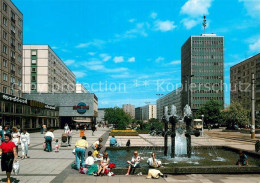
x,y
9,142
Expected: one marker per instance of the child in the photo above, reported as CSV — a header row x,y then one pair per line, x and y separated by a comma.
x,y
57,146
134,163
96,153
104,162
242,159
90,160
152,162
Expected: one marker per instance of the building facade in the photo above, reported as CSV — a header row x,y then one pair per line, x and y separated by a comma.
x,y
101,115
202,70
241,79
45,72
29,114
80,88
148,112
11,54
138,113
172,98
73,107
130,109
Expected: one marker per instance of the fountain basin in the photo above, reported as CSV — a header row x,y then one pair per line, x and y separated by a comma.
x,y
204,160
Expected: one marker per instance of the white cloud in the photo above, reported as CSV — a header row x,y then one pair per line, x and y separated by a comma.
x,y
132,59
153,15
69,62
105,57
189,23
98,66
255,46
91,53
175,62
164,26
252,7
196,8
79,74
159,59
140,29
132,20
119,76
118,59
95,43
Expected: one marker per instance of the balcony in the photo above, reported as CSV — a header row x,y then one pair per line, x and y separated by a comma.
x,y
13,19
13,46
13,33
13,59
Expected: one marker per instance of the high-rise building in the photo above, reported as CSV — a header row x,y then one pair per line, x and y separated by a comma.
x,y
130,109
45,72
202,70
241,79
11,41
138,113
149,112
80,88
172,98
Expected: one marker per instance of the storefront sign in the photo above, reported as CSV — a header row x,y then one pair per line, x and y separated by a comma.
x,y
52,107
14,99
81,108
34,103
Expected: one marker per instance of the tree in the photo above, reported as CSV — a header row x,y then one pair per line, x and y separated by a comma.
x,y
235,114
211,112
155,124
118,117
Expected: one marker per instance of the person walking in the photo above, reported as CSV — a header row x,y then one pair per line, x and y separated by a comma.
x,y
25,143
77,127
16,138
93,128
49,137
41,126
44,127
80,150
69,132
9,155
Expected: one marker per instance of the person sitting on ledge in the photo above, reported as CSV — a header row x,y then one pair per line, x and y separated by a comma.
x,y
152,162
134,163
96,153
113,142
242,159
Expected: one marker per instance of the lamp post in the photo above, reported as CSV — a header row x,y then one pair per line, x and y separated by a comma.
x,y
188,77
202,129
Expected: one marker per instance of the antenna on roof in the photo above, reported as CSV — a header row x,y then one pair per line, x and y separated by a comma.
x,y
204,23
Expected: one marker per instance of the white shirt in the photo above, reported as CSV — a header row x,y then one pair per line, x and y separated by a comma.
x,y
49,134
25,137
89,160
16,137
96,143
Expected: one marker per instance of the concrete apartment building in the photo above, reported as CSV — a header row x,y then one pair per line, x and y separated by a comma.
x,y
11,54
202,68
241,79
130,109
80,88
45,72
101,115
148,112
172,98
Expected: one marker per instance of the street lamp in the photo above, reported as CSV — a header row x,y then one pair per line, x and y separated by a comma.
x,y
202,130
188,77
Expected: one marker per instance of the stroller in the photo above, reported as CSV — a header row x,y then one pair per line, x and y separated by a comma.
x,y
64,139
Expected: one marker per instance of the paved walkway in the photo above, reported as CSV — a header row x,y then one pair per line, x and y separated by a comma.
x,y
55,167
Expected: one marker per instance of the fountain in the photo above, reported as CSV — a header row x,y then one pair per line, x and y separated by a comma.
x,y
173,119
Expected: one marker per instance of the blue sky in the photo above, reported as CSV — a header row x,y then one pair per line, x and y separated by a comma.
x,y
127,51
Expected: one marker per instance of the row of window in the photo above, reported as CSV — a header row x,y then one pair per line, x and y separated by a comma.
x,y
207,63
207,57
208,98
5,90
207,91
12,53
12,79
207,77
12,66
208,42
13,17
5,22
208,49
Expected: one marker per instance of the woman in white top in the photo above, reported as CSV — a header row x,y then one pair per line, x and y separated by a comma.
x,y
16,138
49,137
152,162
104,162
25,143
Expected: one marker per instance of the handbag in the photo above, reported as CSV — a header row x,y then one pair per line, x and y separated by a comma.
x,y
16,167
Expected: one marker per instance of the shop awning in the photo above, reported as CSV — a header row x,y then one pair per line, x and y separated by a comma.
x,y
82,121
